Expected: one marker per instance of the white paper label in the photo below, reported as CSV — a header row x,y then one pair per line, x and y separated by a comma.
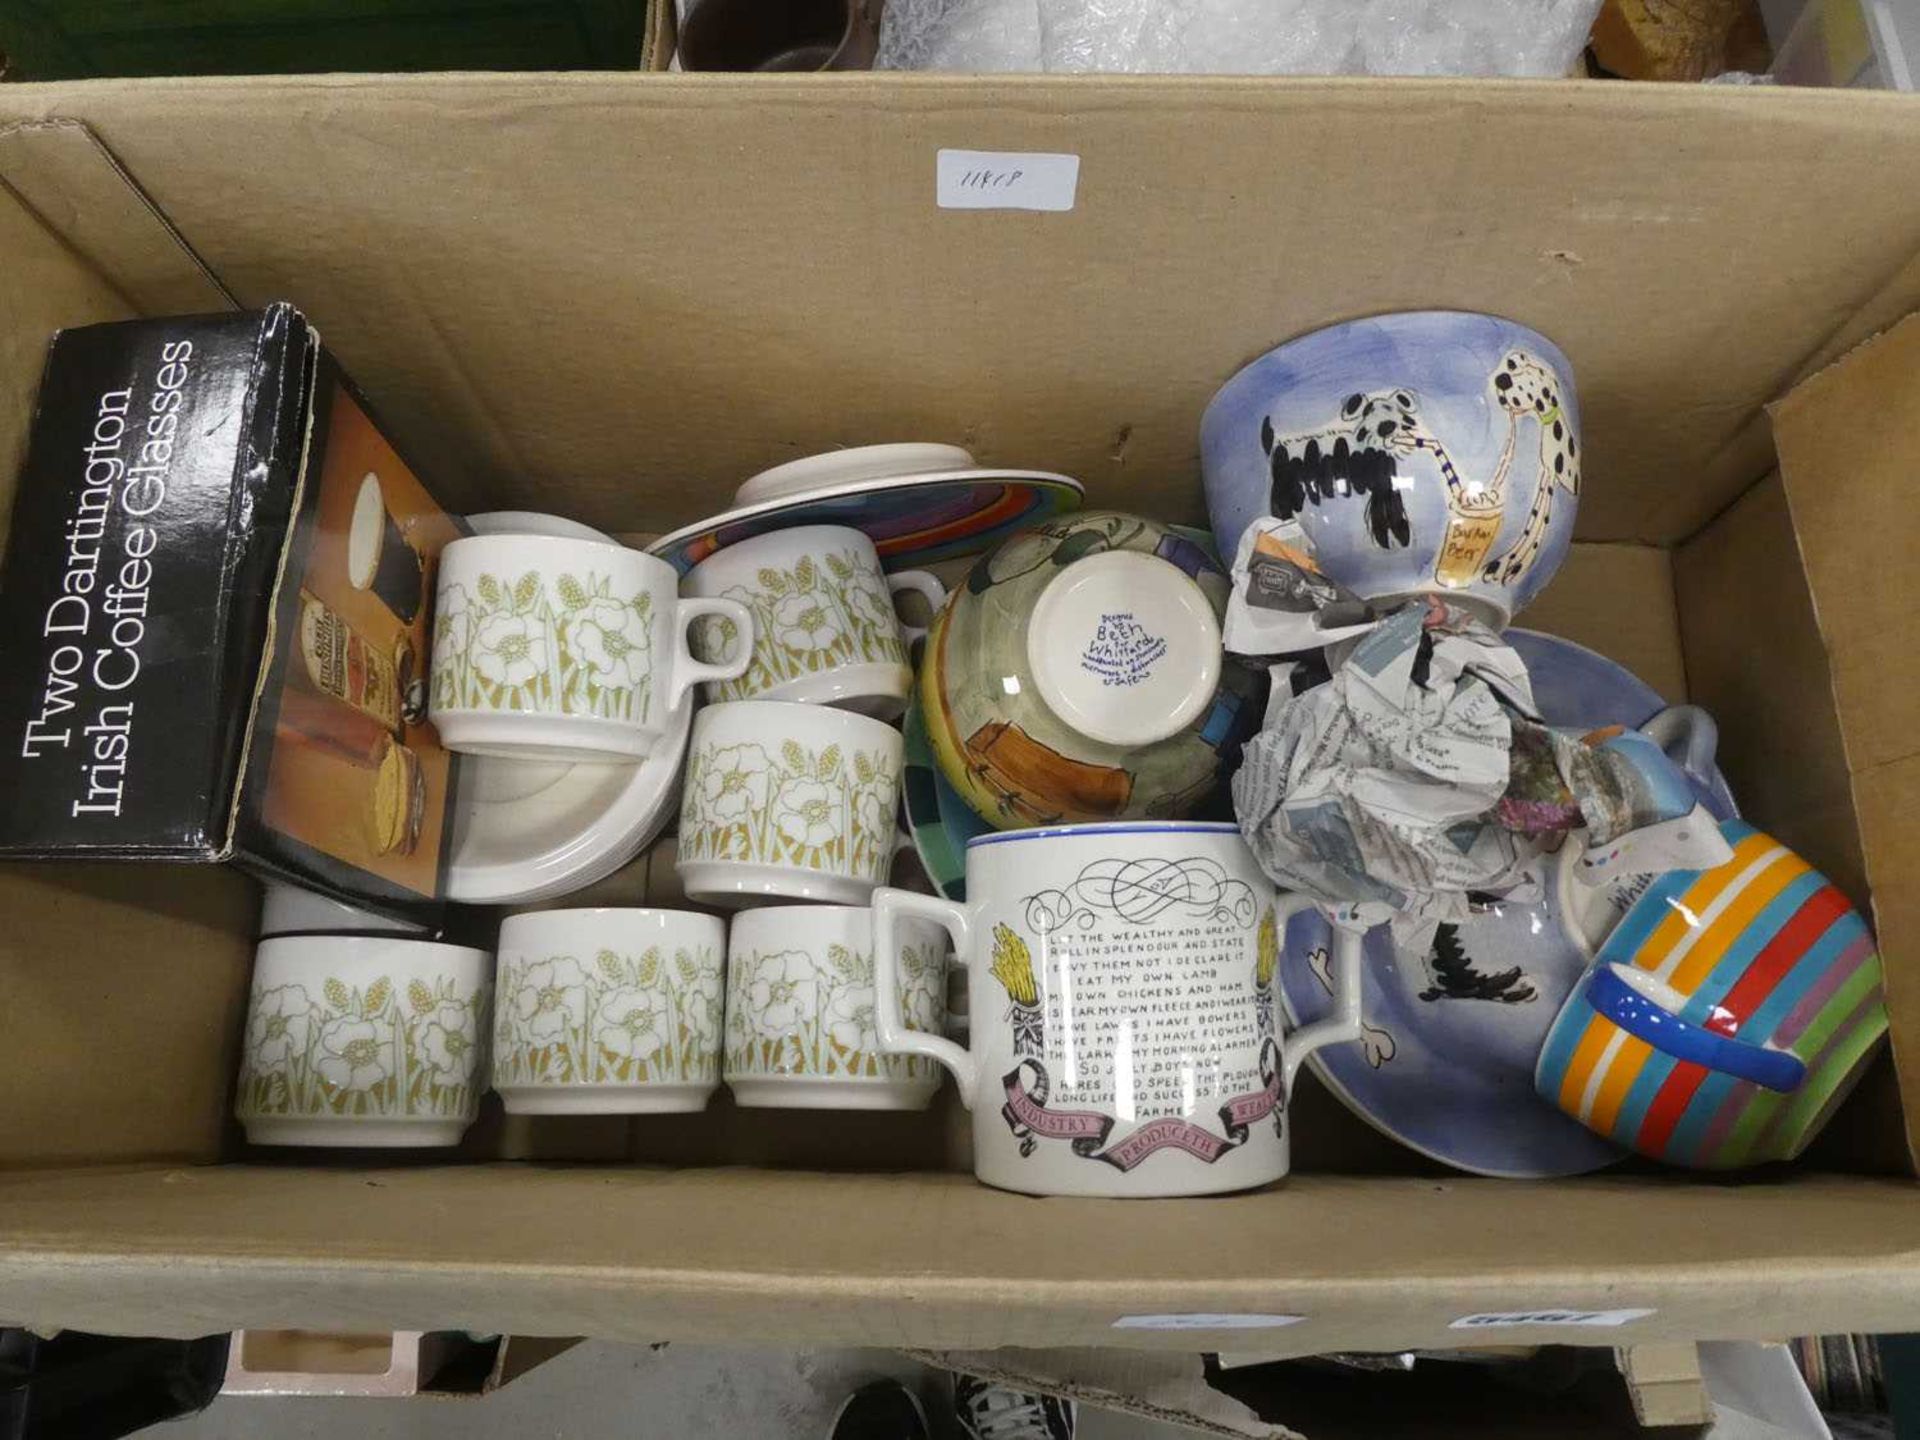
x,y
1508,1319
1005,180
1203,1321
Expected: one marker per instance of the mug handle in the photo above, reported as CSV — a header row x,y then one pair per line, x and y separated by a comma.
x,y
923,583
1649,1009
1343,1025
689,672
1689,735
895,1037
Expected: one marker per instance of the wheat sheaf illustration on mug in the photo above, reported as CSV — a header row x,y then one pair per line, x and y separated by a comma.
x,y
574,649
612,1020
789,805
377,1052
813,617
1012,966
789,1013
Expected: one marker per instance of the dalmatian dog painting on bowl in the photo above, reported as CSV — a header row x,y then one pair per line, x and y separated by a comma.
x,y
1430,451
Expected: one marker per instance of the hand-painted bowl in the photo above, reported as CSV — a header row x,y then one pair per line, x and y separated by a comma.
x,y
1432,451
1077,676
1726,1016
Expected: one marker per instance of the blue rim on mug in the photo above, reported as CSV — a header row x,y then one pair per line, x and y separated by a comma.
x,y
1117,827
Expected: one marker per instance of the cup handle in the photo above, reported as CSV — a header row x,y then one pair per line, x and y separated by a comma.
x,y
687,671
895,1037
1582,907
1649,1009
920,582
1343,1025
1689,736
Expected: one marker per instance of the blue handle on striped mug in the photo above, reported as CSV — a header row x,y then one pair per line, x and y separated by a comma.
x,y
1634,1001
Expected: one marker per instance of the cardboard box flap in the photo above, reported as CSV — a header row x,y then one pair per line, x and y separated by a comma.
x,y
47,286
1807,804
61,169
1689,247
1849,446
942,1262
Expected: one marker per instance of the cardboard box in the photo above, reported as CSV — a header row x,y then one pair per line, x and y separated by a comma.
x,y
214,616
616,296
441,1364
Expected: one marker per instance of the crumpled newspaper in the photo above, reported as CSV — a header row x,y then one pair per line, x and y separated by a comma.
x,y
1421,771
1282,601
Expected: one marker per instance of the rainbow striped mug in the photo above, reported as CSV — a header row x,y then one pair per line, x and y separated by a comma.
x,y
1726,1015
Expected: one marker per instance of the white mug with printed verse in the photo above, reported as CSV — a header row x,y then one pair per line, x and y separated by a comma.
x,y
824,627
547,647
1125,1039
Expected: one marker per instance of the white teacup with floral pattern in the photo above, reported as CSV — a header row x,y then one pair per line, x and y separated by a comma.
x,y
364,1040
548,647
824,629
800,1010
789,800
608,1011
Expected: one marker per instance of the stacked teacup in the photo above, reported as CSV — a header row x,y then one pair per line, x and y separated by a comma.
x,y
792,795
553,646
558,647
792,781
361,1030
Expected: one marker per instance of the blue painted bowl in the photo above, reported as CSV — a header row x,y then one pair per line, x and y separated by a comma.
x,y
1432,451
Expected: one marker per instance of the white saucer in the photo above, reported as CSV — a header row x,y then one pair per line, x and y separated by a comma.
x,y
919,503
525,831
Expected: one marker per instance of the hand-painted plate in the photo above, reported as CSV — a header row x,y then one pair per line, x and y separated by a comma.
x,y
918,503
526,831
1446,1067
939,819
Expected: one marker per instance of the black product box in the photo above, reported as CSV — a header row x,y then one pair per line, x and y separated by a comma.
x,y
215,616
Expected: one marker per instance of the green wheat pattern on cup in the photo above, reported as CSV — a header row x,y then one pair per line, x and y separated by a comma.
x,y
791,1014
617,1019
805,620
376,1052
788,805
513,645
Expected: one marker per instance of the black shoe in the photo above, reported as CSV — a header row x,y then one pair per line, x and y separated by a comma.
x,y
993,1412
884,1410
